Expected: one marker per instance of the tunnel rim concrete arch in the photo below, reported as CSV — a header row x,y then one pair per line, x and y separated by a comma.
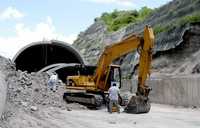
x,y
57,42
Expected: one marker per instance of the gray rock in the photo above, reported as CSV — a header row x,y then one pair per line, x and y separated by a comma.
x,y
34,108
25,104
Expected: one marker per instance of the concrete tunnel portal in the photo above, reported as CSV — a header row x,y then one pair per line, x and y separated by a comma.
x,y
38,55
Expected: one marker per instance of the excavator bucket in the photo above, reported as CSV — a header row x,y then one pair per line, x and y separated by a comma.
x,y
137,105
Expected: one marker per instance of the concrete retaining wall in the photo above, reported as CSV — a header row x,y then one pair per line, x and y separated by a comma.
x,y
3,92
180,91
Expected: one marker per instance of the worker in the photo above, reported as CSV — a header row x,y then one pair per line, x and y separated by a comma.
x,y
52,82
113,97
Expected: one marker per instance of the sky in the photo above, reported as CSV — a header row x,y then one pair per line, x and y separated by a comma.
x,y
26,21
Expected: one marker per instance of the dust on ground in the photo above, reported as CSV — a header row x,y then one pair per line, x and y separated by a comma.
x,y
160,116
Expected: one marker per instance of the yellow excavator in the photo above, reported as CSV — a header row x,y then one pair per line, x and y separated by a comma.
x,y
92,90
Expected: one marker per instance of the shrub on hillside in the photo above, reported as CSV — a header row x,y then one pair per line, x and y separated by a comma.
x,y
118,19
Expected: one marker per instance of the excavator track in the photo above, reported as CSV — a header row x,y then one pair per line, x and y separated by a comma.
x,y
88,99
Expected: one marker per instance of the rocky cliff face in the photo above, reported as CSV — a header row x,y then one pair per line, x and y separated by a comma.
x,y
90,43
176,26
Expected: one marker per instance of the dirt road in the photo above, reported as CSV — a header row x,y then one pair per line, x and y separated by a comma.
x,y
160,116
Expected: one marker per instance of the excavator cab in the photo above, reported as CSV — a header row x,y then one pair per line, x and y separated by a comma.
x,y
114,76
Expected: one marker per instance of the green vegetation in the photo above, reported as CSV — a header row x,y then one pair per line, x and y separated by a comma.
x,y
195,17
160,28
192,18
118,19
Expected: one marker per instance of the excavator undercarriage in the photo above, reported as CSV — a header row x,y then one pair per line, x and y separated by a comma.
x,y
88,99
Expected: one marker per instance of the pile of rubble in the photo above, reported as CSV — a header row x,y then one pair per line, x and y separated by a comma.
x,y
29,92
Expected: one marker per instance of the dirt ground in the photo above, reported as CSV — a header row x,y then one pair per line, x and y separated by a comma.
x,y
160,116
31,104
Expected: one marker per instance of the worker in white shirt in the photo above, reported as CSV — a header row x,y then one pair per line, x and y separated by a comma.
x,y
53,81
113,97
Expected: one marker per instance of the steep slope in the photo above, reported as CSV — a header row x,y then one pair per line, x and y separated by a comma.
x,y
176,26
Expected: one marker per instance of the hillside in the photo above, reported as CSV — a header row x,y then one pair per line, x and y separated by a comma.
x,y
176,26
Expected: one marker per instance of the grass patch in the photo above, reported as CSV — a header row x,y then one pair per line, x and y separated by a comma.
x,y
189,19
192,18
160,28
119,19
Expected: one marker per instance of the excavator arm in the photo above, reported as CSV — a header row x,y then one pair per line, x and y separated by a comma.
x,y
145,52
140,103
143,44
111,53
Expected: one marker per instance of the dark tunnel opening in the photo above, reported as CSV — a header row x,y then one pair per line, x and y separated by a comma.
x,y
38,55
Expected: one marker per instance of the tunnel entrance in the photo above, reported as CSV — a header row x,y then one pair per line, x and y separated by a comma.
x,y
38,55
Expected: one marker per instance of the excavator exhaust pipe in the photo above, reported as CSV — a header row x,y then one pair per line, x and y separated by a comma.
x,y
138,104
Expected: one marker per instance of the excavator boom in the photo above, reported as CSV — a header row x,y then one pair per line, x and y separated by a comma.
x,y
116,50
111,53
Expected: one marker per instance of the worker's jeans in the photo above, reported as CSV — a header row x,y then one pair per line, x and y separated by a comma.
x,y
113,102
